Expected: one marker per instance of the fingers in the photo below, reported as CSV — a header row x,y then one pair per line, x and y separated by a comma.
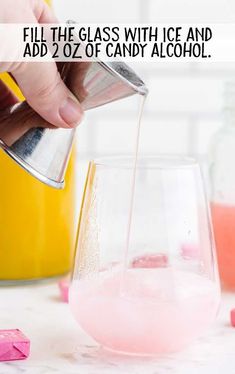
x,y
41,83
7,98
47,94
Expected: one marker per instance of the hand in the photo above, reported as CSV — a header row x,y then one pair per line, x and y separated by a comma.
x,y
40,82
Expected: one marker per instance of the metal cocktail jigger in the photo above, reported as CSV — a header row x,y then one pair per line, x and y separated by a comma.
x,y
43,150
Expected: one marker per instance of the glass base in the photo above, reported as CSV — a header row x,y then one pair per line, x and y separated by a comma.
x,y
139,354
128,354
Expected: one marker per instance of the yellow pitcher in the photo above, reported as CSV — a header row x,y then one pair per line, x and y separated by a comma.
x,y
37,223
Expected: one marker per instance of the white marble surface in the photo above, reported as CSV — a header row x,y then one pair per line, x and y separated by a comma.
x,y
59,346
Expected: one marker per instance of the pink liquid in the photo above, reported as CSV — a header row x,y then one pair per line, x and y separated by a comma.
x,y
161,310
223,218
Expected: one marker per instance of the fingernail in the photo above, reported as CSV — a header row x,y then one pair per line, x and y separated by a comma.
x,y
71,112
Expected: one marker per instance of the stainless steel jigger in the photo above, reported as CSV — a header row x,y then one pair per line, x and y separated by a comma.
x,y
43,150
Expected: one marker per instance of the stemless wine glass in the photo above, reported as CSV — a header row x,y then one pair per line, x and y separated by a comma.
x,y
155,288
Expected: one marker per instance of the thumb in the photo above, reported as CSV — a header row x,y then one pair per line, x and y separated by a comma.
x,y
47,94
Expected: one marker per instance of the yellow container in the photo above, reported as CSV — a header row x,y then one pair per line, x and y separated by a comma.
x,y
37,222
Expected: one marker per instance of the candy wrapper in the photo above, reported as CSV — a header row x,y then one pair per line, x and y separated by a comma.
x,y
232,317
64,289
158,260
14,345
190,251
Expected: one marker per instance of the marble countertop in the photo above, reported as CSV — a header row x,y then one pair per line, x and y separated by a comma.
x,y
59,346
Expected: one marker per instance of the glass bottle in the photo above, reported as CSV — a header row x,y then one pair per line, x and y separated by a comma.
x,y
222,172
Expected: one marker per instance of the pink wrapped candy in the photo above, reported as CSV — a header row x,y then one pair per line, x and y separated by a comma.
x,y
190,251
14,345
157,260
64,289
232,317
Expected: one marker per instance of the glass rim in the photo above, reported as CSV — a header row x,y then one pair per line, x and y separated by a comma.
x,y
146,162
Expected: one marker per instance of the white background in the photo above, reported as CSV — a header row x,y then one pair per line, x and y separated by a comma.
x,y
184,108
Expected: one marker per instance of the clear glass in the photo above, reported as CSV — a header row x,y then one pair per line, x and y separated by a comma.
x,y
157,289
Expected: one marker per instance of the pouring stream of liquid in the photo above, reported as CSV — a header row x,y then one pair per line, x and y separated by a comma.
x,y
132,194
